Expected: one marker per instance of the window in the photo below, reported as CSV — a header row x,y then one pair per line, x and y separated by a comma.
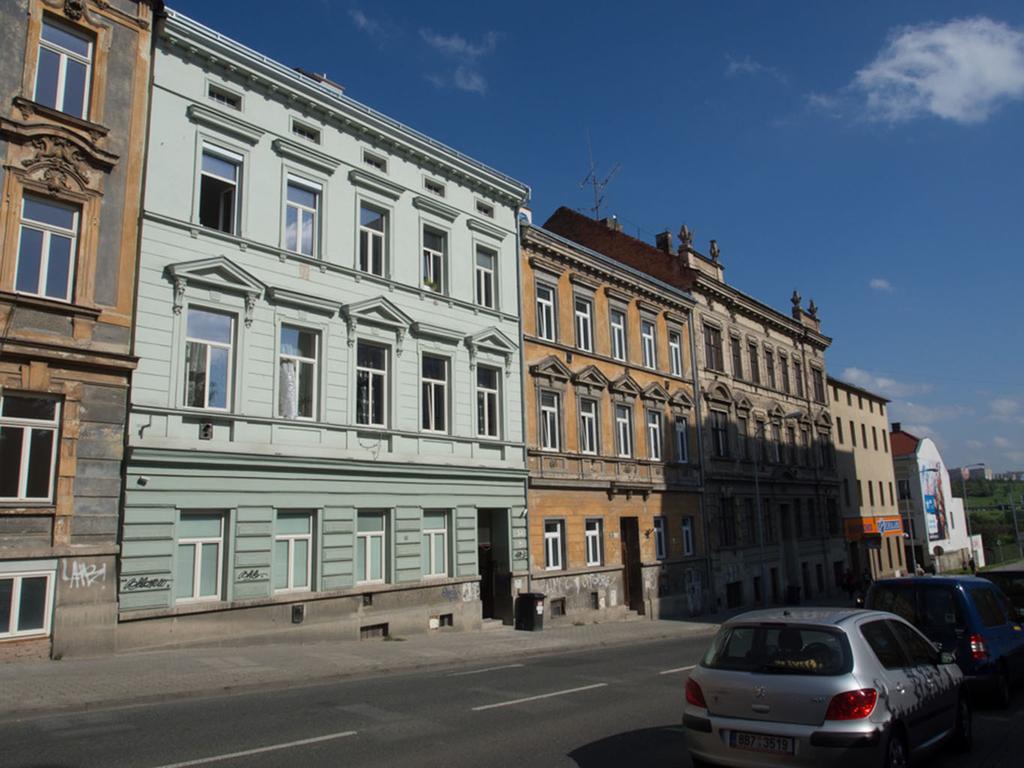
x,y
371,384
624,431
769,521
47,248
28,447
790,650
742,430
588,426
798,518
719,433
769,367
903,488
485,277
200,556
784,370
749,523
871,493
826,457
224,97
805,446
549,421
487,415
618,321
306,132
675,353
372,239
687,535
594,534
301,211
798,378
298,373
649,348
853,434
208,359
839,430
737,358
375,161
755,367
434,248
553,544
818,382
546,312
874,437
435,394
713,348
682,440
654,435
791,441
921,651
583,310
891,499
434,187
761,436
218,189
485,209
371,539
26,603
727,523
63,74
883,642
863,435
885,442
293,551
659,538
435,542
776,443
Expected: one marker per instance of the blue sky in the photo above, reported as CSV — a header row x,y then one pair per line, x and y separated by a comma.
x,y
868,154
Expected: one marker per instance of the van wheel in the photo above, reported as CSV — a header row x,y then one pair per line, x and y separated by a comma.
x,y
963,735
896,751
1003,692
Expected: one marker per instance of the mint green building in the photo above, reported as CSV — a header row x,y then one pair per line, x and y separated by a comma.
x,y
325,430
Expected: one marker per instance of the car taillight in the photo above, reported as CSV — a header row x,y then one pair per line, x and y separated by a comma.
x,y
694,695
852,705
979,651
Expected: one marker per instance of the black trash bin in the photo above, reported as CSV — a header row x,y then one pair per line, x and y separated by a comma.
x,y
792,595
530,611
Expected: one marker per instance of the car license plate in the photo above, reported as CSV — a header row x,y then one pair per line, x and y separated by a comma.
x,y
761,742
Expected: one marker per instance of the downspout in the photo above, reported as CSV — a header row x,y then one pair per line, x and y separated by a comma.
x,y
700,453
522,399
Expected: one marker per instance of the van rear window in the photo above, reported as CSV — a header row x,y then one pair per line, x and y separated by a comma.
x,y
780,649
940,607
988,607
894,599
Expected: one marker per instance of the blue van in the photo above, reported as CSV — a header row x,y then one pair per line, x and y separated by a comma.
x,y
969,617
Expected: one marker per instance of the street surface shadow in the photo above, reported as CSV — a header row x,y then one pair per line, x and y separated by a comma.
x,y
665,746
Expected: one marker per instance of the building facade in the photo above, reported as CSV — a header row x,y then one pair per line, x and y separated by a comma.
x,y
326,419
765,432
74,81
614,493
872,522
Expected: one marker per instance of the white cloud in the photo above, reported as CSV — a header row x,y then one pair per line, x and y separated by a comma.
x,y
962,71
882,385
1004,407
747,66
468,80
927,414
881,284
466,75
457,45
975,445
1015,456
1000,442
364,22
921,430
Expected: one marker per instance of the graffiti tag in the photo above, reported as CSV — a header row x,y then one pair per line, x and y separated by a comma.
x,y
252,574
141,583
83,574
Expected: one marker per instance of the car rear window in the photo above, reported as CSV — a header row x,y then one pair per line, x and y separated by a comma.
x,y
1012,586
780,649
989,610
894,599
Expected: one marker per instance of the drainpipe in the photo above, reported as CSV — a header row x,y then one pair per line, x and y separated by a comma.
x,y
522,403
698,419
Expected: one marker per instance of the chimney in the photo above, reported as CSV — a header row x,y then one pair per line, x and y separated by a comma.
x,y
323,79
663,241
896,427
613,223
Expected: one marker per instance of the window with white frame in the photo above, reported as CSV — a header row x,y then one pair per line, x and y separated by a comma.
x,y
293,551
654,435
372,239
682,439
435,542
371,546
485,259
26,603
219,180
199,570
298,373
371,384
588,426
434,249
583,309
554,542
302,209
549,420
307,132
675,353
687,535
47,248
487,412
64,72
649,348
618,323
434,377
434,187
545,312
375,161
224,97
594,533
659,538
208,359
624,431
28,447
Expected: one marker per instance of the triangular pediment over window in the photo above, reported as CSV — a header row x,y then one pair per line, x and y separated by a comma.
x,y
378,311
743,403
776,412
626,385
551,368
823,419
218,273
590,376
719,393
654,391
681,399
491,340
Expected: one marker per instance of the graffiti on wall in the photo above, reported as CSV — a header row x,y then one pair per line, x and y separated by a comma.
x,y
467,592
143,583
251,574
82,574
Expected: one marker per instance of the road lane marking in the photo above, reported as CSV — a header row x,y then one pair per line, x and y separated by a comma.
x,y
486,669
260,750
528,698
677,669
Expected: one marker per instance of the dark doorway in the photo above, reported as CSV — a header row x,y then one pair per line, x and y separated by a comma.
x,y
629,530
494,564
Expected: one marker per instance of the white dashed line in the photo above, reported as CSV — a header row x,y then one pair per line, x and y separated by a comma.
x,y
534,698
677,669
486,669
260,750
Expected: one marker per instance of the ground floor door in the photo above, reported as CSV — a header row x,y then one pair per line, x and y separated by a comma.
x,y
629,534
493,558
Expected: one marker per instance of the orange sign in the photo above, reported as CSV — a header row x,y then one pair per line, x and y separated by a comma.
x,y
858,527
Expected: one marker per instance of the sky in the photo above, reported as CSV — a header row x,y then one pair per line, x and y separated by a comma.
x,y
869,155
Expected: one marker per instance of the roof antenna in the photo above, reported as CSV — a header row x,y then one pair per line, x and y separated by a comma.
x,y
592,179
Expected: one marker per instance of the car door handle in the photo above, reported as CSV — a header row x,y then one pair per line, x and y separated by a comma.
x,y
899,688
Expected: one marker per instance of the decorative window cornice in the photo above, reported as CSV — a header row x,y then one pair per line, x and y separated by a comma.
x,y
551,369
305,155
224,123
302,301
378,312
218,273
375,183
655,392
549,267
439,209
428,330
486,229
494,341
591,380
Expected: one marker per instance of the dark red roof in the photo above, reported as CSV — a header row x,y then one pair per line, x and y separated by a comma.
x,y
903,443
597,236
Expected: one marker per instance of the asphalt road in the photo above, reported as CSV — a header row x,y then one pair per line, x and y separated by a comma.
x,y
590,709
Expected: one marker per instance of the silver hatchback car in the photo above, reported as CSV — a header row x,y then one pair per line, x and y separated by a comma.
x,y
820,686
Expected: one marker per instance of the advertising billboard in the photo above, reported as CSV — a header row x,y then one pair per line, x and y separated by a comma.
x,y
935,507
